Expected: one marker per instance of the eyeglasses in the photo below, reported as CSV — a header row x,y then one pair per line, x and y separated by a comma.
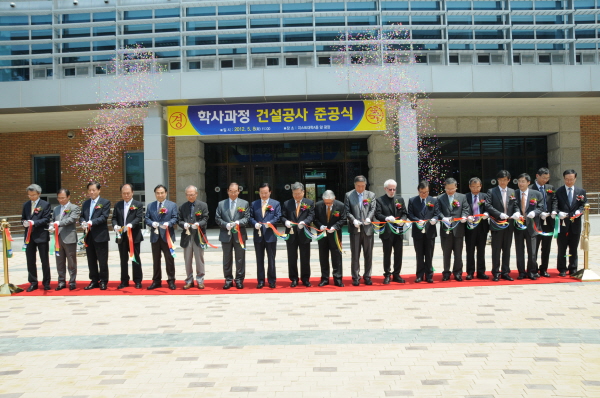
x,y
391,189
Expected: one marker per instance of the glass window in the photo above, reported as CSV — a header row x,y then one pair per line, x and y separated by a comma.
x,y
549,19
41,48
328,7
304,21
394,5
137,29
521,5
333,150
166,27
553,5
536,146
232,10
233,24
232,39
43,34
470,147
201,11
146,42
168,54
327,36
357,149
22,49
522,19
42,61
330,21
360,21
201,40
298,49
460,35
14,35
139,14
39,20
394,20
76,47
265,23
166,13
550,34
488,19
134,170
265,37
585,19
458,5
14,75
216,154
104,16
264,8
14,20
166,41
491,147
286,151
75,18
77,32
46,173
104,31
426,34
104,45
201,25
487,5
448,147
424,5
489,34
361,6
459,20
262,153
266,50
523,34
585,34
298,36
425,20
300,7
200,53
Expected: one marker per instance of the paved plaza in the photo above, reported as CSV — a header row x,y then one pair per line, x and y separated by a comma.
x,y
486,341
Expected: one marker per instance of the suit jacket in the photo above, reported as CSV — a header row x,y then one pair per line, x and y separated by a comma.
x,y
415,213
271,216
360,211
494,205
484,225
444,209
385,207
547,205
536,207
288,213
223,217
99,219
40,217
134,217
170,216
67,223
561,203
185,216
337,218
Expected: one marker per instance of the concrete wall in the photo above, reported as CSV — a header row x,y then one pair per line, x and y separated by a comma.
x,y
382,162
190,166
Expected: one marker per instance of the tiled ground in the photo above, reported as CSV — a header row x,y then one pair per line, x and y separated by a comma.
x,y
489,341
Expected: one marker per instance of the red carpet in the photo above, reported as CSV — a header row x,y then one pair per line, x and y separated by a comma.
x,y
283,286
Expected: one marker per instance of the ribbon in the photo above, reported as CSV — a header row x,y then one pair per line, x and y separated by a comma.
x,y
546,233
8,245
321,233
52,243
86,232
240,238
204,243
520,224
556,228
28,238
498,225
131,250
170,242
276,232
338,243
57,240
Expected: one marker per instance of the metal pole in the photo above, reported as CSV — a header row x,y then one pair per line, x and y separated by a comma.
x,y
586,274
7,288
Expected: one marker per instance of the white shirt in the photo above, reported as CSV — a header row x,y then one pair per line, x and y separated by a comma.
x,y
126,210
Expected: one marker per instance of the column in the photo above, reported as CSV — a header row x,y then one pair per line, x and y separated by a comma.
x,y
407,164
155,152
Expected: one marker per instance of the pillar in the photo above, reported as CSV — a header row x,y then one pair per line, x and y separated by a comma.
x,y
155,152
407,164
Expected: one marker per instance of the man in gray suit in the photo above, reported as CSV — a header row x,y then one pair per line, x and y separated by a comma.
x,y
233,215
359,205
65,217
193,216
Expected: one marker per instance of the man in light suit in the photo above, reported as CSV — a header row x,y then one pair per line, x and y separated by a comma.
x,y
265,211
65,218
451,205
528,206
360,210
36,217
94,221
420,209
541,185
161,215
500,204
128,215
330,215
568,202
233,215
298,210
193,216
391,207
476,238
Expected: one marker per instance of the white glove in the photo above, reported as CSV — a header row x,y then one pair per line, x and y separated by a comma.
x,y
356,223
516,216
84,225
229,226
237,222
331,230
446,220
269,224
553,214
51,228
195,225
257,225
485,216
367,221
544,215
390,219
433,221
531,214
165,225
471,218
155,224
577,212
562,215
503,216
463,220
301,225
129,226
89,223
116,228
288,224
323,228
186,226
25,223
421,223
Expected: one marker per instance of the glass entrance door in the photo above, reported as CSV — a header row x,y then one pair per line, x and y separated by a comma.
x,y
319,177
260,173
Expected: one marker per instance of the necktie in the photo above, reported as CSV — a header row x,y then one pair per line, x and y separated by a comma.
x,y
422,207
360,203
192,211
328,213
475,205
92,205
450,200
297,209
504,199
32,207
125,211
523,203
264,208
544,195
232,208
159,207
570,196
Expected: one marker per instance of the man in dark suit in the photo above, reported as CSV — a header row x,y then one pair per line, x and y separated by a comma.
x,y
541,185
161,215
193,215
451,205
476,238
128,215
500,205
568,202
360,210
233,215
65,217
420,209
330,215
265,211
301,211
35,218
94,221
391,207
528,206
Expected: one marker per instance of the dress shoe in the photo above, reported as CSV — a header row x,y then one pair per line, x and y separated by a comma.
x,y
338,282
545,274
272,285
260,285
200,286
445,278
307,283
155,285
46,287
226,286
123,285
532,276
92,285
571,272
398,279
191,284
469,277
386,280
102,286
172,285
355,282
323,283
72,286
32,287
419,280
521,276
138,285
482,276
60,286
458,278
496,278
368,281
429,280
507,277
294,284
239,284
563,273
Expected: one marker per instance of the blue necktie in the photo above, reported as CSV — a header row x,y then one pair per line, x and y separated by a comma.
x,y
570,196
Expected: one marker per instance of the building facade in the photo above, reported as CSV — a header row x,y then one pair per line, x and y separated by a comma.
x,y
511,84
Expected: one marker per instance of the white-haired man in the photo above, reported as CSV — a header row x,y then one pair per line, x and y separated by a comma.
x,y
193,216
